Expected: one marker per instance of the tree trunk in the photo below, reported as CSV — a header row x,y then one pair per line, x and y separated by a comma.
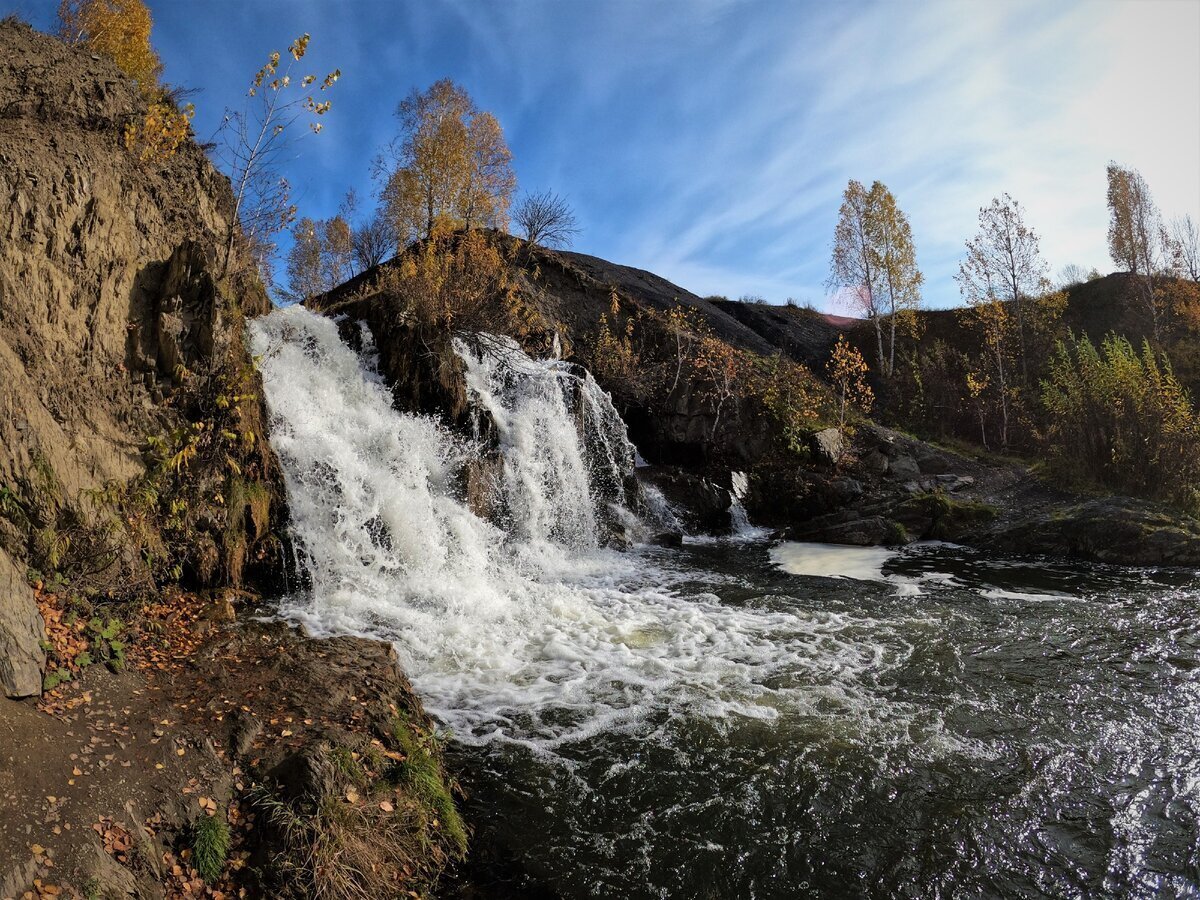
x,y
879,344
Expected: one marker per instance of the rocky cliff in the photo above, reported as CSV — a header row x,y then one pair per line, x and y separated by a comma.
x,y
111,315
141,513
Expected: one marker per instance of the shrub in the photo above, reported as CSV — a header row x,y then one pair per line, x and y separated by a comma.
x,y
157,136
1121,419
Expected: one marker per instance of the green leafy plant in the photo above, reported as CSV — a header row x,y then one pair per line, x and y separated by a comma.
x,y
105,643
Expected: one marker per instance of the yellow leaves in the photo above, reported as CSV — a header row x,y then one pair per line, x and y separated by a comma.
x,y
159,135
977,383
117,28
298,47
847,371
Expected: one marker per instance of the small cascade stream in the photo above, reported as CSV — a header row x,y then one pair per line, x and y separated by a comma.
x,y
726,719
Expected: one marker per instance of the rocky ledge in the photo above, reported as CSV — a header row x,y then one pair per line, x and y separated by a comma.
x,y
231,758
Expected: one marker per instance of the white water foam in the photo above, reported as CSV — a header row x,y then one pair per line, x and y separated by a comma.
x,y
532,646
832,560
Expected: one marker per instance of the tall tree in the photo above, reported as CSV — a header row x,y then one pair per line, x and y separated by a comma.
x,y
874,263
450,166
853,267
1134,226
895,262
117,28
1004,262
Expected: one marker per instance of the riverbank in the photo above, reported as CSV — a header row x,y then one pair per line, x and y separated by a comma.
x,y
291,747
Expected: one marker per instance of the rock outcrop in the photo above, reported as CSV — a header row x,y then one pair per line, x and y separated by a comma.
x,y
109,303
21,658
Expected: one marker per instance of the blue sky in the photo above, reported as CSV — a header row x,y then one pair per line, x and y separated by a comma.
x,y
710,140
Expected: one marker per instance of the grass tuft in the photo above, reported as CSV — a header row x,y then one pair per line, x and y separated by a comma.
x,y
210,846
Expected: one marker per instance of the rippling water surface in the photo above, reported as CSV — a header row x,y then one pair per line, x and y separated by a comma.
x,y
1011,730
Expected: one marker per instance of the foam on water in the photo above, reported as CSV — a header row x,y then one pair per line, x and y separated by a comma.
x,y
534,633
832,560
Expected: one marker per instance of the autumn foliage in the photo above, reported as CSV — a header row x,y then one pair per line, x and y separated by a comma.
x,y
847,372
449,168
158,135
117,28
672,363
121,29
1120,418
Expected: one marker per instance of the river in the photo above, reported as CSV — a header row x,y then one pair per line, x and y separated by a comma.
x,y
737,718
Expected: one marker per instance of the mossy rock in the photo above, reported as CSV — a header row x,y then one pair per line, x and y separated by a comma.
x,y
949,518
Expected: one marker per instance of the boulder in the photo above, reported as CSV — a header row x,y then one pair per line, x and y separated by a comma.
x,y
829,445
701,505
22,660
876,462
904,468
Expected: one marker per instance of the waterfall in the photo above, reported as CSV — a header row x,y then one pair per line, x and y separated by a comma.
x,y
565,450
529,630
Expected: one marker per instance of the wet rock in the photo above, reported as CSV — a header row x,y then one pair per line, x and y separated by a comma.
x,y
849,528
669,539
702,505
1110,530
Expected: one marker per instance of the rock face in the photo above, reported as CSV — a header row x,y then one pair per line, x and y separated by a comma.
x,y
1111,530
100,265
21,656
108,294
702,505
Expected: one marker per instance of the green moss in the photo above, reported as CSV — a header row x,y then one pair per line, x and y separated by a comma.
x,y
422,773
896,535
950,517
210,846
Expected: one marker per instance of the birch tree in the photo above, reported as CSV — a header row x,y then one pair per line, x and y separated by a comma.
x,y
874,263
853,268
449,168
895,263
1004,263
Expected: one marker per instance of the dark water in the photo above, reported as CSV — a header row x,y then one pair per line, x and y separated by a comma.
x,y
1013,730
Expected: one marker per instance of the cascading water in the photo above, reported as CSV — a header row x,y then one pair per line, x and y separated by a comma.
x,y
537,634
700,722
564,447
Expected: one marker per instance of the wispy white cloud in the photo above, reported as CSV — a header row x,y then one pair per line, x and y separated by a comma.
x,y
710,140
